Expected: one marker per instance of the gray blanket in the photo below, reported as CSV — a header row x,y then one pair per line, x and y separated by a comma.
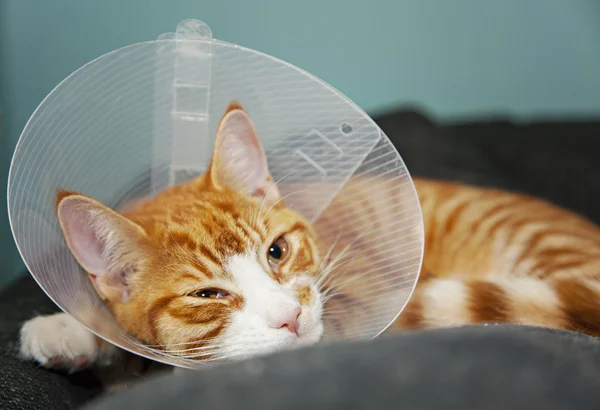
x,y
495,367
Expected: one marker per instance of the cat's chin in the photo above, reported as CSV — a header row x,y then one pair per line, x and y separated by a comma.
x,y
274,349
311,337
278,344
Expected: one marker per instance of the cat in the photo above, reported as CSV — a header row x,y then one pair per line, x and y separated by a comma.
x,y
490,257
216,268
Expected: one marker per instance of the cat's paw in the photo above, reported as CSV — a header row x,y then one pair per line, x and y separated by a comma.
x,y
59,342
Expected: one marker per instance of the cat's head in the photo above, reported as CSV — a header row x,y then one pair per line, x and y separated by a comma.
x,y
215,268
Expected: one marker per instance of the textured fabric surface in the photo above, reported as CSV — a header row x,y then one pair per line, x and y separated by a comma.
x,y
24,385
557,161
494,367
554,161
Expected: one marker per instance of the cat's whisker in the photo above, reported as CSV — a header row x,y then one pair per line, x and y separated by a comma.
x,y
193,355
255,217
330,290
331,266
262,203
334,311
341,281
331,278
346,262
329,297
328,270
217,339
366,274
330,316
328,254
218,345
329,275
182,354
194,349
335,275
275,185
234,350
275,204
378,286
328,287
326,291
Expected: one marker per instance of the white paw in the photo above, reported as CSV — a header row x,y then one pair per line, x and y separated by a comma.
x,y
59,342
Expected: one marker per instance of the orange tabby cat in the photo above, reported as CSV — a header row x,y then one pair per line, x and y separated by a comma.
x,y
220,265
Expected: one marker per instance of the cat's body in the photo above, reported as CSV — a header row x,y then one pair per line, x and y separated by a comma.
x,y
490,256
497,257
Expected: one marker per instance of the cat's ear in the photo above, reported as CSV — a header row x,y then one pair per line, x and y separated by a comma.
x,y
239,161
106,244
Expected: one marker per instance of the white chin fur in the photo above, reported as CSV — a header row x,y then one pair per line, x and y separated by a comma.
x,y
248,333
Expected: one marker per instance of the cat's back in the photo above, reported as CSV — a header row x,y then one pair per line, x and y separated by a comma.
x,y
473,230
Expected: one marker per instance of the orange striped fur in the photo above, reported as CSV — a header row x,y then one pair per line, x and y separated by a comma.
x,y
498,257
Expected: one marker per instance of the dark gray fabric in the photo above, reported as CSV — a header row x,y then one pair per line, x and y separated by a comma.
x,y
554,160
495,367
23,385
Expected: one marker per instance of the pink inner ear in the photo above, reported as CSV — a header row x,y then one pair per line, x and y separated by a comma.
x,y
243,164
80,232
239,158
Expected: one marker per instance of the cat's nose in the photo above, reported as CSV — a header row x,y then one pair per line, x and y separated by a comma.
x,y
285,318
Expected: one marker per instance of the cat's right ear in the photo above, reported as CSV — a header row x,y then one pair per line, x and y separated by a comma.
x,y
239,161
106,244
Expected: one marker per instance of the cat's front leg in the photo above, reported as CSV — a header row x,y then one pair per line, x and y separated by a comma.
x,y
60,342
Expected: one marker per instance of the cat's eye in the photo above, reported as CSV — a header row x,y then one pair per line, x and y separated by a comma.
x,y
278,251
210,294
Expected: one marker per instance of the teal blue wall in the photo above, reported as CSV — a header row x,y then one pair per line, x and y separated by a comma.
x,y
455,58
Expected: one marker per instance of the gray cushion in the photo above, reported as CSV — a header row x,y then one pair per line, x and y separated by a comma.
x,y
495,367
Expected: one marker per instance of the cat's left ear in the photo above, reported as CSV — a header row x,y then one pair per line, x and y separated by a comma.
x,y
107,245
239,161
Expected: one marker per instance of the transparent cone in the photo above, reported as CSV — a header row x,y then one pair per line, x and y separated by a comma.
x,y
144,117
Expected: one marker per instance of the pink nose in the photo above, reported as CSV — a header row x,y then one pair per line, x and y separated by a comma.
x,y
286,318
